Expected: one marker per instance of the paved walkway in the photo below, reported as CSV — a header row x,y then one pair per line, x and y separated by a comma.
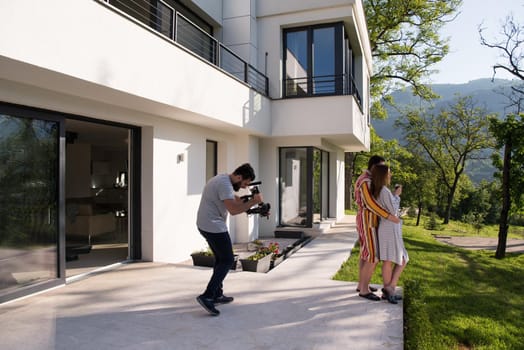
x,y
152,306
483,243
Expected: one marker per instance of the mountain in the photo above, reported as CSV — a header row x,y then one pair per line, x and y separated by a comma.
x,y
485,92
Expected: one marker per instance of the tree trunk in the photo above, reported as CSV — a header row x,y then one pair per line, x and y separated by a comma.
x,y
419,213
451,194
349,161
506,202
447,213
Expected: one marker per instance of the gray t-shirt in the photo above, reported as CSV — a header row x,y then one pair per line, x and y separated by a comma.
x,y
212,212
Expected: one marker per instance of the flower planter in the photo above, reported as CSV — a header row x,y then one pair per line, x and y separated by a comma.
x,y
200,259
276,261
260,265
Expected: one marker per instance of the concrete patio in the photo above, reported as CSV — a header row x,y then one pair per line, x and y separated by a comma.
x,y
152,306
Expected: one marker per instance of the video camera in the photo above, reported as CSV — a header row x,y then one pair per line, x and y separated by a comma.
x,y
262,208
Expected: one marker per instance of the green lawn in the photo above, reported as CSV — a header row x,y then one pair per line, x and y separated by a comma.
x,y
456,298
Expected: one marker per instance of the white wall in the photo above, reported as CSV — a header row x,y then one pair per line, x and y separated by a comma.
x,y
212,8
240,29
109,58
170,190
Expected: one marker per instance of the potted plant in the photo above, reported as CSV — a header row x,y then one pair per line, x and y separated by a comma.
x,y
207,258
277,256
258,262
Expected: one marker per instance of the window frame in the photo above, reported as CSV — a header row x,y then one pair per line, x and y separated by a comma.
x,y
339,48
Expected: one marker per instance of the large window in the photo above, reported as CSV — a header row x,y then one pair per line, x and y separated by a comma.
x,y
28,201
314,60
211,159
318,60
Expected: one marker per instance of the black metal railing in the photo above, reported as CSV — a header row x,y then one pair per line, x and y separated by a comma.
x,y
323,85
175,26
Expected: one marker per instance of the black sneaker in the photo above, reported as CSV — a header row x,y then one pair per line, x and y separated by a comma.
x,y
208,304
223,300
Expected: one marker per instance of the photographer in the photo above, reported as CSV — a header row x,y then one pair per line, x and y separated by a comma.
x,y
218,199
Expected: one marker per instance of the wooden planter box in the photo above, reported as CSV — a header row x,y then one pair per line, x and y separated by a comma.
x,y
200,259
261,265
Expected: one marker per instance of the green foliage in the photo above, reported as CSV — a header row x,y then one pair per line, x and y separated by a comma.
x,y
259,254
207,252
432,224
455,298
391,151
510,133
475,219
405,44
483,199
262,251
419,187
28,201
449,137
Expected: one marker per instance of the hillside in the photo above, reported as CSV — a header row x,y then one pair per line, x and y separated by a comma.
x,y
487,93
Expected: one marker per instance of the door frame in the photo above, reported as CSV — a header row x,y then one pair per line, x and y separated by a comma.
x,y
135,207
324,212
135,182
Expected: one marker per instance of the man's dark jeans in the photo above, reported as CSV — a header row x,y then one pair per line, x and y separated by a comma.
x,y
220,244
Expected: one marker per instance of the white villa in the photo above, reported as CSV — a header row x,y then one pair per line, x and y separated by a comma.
x,y
115,113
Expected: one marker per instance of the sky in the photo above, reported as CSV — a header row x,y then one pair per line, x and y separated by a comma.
x,y
467,58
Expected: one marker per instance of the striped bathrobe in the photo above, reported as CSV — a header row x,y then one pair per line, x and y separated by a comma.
x,y
367,218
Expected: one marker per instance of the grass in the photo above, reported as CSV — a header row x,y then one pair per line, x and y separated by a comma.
x,y
457,228
455,298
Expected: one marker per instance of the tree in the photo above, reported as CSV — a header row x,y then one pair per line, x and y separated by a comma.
x,y
419,190
405,44
481,199
355,163
449,139
509,134
511,48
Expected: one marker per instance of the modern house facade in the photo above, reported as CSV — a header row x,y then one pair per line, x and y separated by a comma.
x,y
115,113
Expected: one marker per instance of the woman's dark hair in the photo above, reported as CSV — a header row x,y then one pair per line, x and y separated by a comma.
x,y
246,171
374,160
379,178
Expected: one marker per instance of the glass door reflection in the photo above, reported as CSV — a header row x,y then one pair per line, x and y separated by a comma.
x,y
28,201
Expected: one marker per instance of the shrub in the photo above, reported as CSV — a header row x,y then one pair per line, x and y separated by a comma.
x,y
432,224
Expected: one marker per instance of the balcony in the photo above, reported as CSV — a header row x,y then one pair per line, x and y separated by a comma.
x,y
336,119
326,85
176,27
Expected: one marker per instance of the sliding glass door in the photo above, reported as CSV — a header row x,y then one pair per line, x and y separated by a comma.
x,y
29,185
